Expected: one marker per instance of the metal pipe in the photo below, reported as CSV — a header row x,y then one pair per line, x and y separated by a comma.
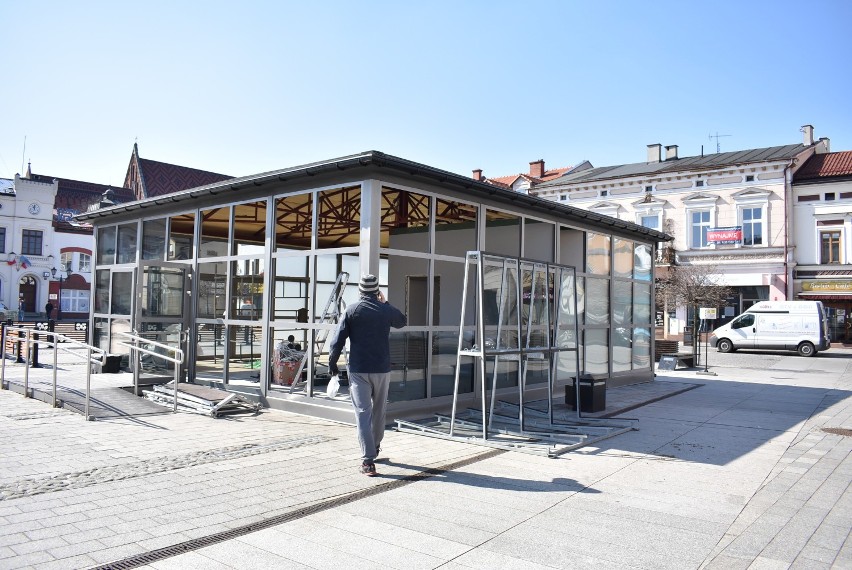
x,y
55,352
89,378
27,364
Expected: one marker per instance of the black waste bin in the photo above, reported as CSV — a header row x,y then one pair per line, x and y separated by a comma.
x,y
112,364
592,394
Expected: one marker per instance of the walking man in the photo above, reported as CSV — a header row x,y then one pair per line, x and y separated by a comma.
x,y
367,325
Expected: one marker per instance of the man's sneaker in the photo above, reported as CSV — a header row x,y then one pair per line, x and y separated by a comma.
x,y
368,469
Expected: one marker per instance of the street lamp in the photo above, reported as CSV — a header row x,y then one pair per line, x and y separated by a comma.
x,y
62,279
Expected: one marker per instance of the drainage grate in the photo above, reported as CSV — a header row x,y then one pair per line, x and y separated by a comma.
x,y
838,431
194,544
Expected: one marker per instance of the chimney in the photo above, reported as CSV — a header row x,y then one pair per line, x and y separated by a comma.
x,y
477,174
654,152
824,146
537,168
808,138
671,152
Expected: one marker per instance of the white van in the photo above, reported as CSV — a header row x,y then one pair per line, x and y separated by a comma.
x,y
786,325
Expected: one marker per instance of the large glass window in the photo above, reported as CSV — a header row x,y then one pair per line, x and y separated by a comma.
x,y
829,241
294,222
642,262
339,217
121,296
181,236
214,232
153,240
106,245
246,289
405,220
597,301
597,253
249,228
2,240
752,220
211,283
102,291
623,258
127,243
502,233
75,301
538,239
31,242
455,227
699,223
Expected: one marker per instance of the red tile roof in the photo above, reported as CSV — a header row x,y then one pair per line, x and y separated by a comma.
x,y
163,178
507,181
75,196
826,165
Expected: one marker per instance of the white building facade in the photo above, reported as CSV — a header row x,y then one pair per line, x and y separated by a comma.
x,y
727,211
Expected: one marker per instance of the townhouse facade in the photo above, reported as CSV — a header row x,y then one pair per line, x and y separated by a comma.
x,y
727,212
822,226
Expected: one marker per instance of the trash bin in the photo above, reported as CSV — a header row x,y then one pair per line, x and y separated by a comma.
x,y
592,394
112,364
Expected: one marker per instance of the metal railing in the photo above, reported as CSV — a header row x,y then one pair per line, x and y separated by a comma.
x,y
58,342
134,345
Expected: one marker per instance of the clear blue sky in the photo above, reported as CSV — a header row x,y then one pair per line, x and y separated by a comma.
x,y
246,87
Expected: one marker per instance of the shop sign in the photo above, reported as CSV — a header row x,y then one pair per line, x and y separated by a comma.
x,y
827,286
729,235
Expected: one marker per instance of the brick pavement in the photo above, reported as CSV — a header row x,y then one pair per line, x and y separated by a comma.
x,y
739,473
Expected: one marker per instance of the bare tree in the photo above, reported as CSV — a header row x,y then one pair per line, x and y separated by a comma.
x,y
693,286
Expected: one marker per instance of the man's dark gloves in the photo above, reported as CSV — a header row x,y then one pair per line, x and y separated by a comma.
x,y
333,370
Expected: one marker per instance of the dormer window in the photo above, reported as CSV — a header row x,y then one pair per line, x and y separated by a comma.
x,y
749,177
649,188
604,193
699,183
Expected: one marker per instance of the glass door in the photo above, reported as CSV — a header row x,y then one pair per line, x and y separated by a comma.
x,y
162,314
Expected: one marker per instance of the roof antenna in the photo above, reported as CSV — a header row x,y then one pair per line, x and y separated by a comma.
x,y
717,136
24,153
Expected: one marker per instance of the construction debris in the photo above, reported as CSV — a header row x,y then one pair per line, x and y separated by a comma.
x,y
201,399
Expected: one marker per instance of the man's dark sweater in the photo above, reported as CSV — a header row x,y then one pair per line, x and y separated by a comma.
x,y
367,325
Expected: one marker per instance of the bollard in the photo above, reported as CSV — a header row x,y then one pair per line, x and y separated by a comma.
x,y
34,361
20,358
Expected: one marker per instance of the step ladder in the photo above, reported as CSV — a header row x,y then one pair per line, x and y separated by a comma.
x,y
331,313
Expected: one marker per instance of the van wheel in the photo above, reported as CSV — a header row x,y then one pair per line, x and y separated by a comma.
x,y
806,349
725,345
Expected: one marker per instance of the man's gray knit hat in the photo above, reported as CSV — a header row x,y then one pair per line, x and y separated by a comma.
x,y
369,284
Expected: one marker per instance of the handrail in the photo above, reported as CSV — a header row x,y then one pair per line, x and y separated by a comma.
x,y
177,359
52,340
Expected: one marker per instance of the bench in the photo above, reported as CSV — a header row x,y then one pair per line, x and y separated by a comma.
x,y
685,359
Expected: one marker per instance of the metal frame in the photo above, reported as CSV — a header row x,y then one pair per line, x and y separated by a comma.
x,y
503,425
135,349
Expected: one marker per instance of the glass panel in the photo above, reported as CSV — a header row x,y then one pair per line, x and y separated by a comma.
x,y
211,281
581,300
247,289
182,230
455,227
500,304
642,259
153,239
502,233
641,304
641,348
596,351
162,292
408,366
214,232
622,349
622,303
293,222
106,245
565,329
449,283
571,247
535,289
117,326
102,291
127,243
339,217
328,267
405,220
249,228
444,349
597,253
100,335
122,293
623,258
288,350
291,289
597,301
538,239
